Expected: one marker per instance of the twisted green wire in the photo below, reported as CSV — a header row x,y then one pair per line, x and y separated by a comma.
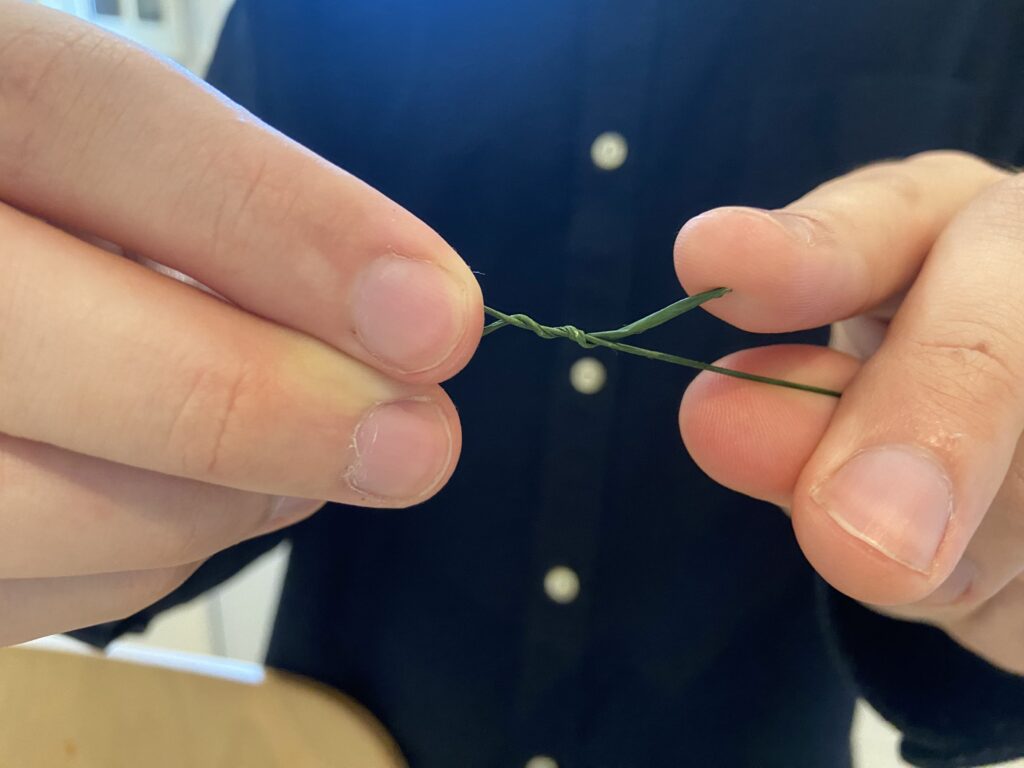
x,y
611,339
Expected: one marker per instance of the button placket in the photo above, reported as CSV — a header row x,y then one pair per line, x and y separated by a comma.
x,y
588,375
609,151
562,584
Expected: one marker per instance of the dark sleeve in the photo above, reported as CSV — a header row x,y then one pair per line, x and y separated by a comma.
x,y
213,572
953,708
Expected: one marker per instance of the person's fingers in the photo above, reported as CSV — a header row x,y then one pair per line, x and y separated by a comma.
x,y
993,559
994,630
101,356
166,168
34,608
924,435
840,251
65,514
995,554
756,438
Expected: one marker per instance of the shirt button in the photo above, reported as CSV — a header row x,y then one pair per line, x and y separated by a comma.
x,y
609,151
541,761
588,375
562,585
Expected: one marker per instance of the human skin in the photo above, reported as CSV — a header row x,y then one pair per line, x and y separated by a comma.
x,y
907,492
146,424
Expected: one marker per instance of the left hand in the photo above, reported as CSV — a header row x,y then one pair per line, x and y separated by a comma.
x,y
908,493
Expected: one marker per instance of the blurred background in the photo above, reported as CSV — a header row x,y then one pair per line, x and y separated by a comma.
x,y
234,622
185,30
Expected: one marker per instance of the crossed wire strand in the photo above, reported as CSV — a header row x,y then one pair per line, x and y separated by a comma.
x,y
612,339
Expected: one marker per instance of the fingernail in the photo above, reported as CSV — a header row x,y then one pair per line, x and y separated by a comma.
x,y
409,314
894,498
401,450
801,227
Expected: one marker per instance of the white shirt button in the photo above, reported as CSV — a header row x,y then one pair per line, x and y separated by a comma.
x,y
609,151
561,584
588,375
541,761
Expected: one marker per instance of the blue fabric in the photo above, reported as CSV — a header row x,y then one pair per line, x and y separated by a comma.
x,y
697,637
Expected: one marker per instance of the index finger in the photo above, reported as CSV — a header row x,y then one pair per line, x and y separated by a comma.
x,y
100,136
840,251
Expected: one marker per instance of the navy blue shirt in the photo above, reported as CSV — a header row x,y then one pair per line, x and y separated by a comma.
x,y
699,635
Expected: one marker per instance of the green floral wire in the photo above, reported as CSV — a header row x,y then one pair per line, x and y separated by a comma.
x,y
611,339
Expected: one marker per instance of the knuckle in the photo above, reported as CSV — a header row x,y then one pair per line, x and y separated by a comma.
x,y
902,180
46,71
204,434
254,189
823,221
835,205
1003,207
38,73
30,64
960,166
966,366
892,178
950,157
252,185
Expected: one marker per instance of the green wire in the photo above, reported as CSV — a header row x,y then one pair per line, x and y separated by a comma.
x,y
610,339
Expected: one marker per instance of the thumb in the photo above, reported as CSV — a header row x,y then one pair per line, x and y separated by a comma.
x,y
923,437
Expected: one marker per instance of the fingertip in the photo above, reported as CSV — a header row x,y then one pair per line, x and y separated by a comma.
x,y
782,270
724,425
405,451
468,304
754,437
417,309
852,566
743,249
874,526
473,314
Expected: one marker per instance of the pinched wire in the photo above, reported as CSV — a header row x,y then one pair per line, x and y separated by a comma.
x,y
612,339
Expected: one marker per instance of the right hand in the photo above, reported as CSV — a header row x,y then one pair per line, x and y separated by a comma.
x,y
145,424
